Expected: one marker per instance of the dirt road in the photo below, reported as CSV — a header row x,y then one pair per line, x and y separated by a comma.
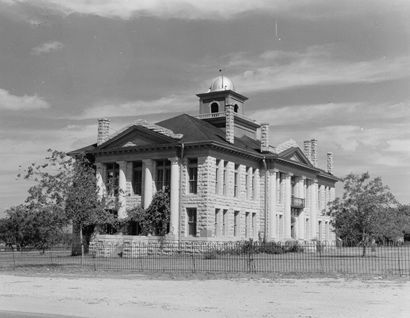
x,y
137,296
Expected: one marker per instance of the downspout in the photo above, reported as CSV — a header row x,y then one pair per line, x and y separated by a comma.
x,y
265,201
181,156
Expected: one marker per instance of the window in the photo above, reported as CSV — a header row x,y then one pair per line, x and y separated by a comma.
x,y
217,172
191,216
163,173
249,183
225,177
320,230
214,107
193,175
236,108
253,224
235,181
253,186
216,228
280,187
246,224
225,222
113,172
236,223
137,177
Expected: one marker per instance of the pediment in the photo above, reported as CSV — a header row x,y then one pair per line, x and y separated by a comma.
x,y
135,136
295,154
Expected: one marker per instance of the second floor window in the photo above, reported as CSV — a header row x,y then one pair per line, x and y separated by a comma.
x,y
193,175
163,171
225,177
112,180
137,177
217,172
236,181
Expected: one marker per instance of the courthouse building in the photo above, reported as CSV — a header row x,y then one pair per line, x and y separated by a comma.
x,y
226,182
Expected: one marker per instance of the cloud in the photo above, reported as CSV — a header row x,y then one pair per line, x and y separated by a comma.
x,y
210,9
12,102
174,103
275,70
47,47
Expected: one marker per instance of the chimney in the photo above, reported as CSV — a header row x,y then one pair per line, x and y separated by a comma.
x,y
313,151
264,137
103,130
230,124
330,162
307,149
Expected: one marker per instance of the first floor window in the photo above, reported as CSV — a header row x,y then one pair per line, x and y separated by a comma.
x,y
191,215
137,177
216,222
246,224
236,223
225,222
253,224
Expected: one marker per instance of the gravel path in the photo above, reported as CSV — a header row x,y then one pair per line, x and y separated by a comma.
x,y
137,296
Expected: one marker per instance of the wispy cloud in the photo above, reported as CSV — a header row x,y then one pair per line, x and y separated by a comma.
x,y
26,102
210,9
274,70
174,103
47,48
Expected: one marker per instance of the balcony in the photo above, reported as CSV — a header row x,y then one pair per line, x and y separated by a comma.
x,y
297,203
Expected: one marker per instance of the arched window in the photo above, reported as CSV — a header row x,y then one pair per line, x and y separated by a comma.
x,y
236,108
214,108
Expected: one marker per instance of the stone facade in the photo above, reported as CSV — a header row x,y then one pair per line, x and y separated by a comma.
x,y
223,187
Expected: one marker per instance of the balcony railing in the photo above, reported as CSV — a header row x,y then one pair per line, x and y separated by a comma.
x,y
297,203
223,114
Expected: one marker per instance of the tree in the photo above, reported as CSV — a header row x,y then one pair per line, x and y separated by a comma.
x,y
365,212
32,226
68,185
155,219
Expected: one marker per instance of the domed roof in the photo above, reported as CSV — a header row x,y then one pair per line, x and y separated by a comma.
x,y
221,83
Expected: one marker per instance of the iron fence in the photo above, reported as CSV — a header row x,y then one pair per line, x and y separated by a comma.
x,y
223,257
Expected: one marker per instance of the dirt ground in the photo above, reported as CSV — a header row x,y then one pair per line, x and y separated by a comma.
x,y
132,295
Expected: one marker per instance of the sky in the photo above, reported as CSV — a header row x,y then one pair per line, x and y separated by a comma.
x,y
337,71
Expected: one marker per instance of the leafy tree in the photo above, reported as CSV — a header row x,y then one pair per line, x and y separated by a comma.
x,y
365,212
32,226
155,219
69,185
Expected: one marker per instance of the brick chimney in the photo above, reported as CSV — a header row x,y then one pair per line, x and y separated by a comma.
x,y
307,149
264,137
103,130
230,124
330,162
313,151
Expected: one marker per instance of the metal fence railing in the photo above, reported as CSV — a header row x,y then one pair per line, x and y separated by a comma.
x,y
225,257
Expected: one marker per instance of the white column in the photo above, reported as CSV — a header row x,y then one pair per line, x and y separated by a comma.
x,y
174,197
273,203
122,188
287,201
148,167
100,176
332,193
314,209
301,218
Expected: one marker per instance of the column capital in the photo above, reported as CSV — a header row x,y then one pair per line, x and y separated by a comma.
x,y
275,170
174,160
288,174
121,163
